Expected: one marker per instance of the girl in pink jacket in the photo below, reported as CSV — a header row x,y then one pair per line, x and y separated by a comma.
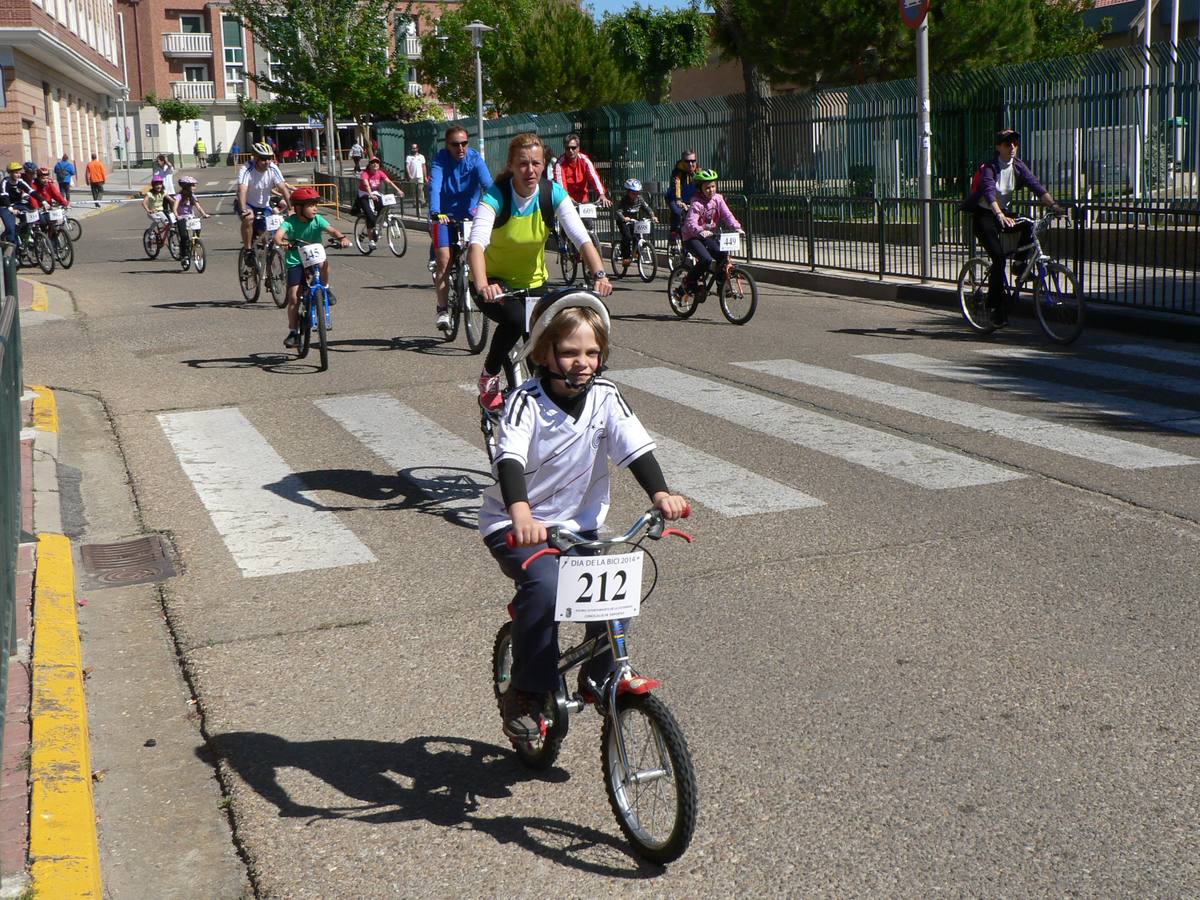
x,y
701,224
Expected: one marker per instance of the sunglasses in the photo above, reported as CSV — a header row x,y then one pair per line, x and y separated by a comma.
x,y
691,162
457,143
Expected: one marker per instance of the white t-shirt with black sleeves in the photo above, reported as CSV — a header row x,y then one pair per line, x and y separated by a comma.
x,y
565,460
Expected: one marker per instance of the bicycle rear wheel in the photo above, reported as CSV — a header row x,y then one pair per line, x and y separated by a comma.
x,y
199,257
74,229
320,305
739,296
654,800
248,278
362,236
1059,303
972,294
276,276
647,261
150,242
683,305
540,753
397,236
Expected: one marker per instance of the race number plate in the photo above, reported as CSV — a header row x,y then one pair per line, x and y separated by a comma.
x,y
731,242
159,217
466,230
312,255
31,216
56,215
641,226
273,223
193,224
598,588
387,199
587,210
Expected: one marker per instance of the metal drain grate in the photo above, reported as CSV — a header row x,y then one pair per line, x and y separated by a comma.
x,y
138,561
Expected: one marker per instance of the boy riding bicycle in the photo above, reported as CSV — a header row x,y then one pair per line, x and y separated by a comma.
x,y
304,226
633,206
559,432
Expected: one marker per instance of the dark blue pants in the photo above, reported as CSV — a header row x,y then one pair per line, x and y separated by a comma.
x,y
535,633
705,250
10,224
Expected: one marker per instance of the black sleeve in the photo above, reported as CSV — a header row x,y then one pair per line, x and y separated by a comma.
x,y
512,482
648,474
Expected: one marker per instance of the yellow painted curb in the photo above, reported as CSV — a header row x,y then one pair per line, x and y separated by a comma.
x,y
41,297
63,846
45,408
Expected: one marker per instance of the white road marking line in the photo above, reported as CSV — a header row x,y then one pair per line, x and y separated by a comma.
x,y
445,468
1173,417
722,486
1098,369
919,464
1066,439
244,485
1152,351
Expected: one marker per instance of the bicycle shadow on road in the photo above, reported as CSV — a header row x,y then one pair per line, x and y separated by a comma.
x,y
213,304
667,317
445,781
275,363
451,494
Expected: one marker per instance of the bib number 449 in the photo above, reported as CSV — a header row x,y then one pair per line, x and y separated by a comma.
x,y
598,588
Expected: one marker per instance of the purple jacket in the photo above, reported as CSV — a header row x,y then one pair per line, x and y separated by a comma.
x,y
705,215
983,185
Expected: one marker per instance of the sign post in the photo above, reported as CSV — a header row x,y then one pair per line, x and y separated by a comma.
x,y
914,13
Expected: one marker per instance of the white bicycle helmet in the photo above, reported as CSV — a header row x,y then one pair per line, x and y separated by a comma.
x,y
580,299
633,185
263,149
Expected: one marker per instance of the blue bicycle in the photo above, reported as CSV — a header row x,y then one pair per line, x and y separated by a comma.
x,y
314,304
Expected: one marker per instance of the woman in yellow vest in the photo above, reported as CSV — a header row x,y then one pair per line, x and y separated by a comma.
x,y
508,244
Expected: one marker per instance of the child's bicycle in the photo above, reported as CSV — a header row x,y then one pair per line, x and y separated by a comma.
x,y
641,250
159,233
387,228
314,304
1056,296
737,291
644,757
194,253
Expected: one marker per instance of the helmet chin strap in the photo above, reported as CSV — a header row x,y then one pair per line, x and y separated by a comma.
x,y
570,382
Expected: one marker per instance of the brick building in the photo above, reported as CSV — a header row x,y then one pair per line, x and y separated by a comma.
x,y
60,67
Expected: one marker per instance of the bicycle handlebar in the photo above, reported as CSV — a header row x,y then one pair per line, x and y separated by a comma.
x,y
561,539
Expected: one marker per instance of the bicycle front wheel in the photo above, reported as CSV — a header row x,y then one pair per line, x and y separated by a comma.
x,y
654,798
647,261
568,262
74,229
64,250
248,275
476,324
276,276
45,253
972,295
1059,303
454,309
537,754
199,256
397,236
739,296
150,242
173,243
362,236
618,269
320,305
305,323
682,304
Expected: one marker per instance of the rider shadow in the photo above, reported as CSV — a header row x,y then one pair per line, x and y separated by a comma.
x,y
664,317
430,346
420,286
450,494
211,304
435,346
275,363
445,781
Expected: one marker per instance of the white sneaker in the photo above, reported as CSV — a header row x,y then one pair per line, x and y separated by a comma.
x,y
374,244
443,321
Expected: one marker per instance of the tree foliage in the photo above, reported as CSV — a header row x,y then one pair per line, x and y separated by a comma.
x,y
174,111
331,51
544,56
654,43
1061,30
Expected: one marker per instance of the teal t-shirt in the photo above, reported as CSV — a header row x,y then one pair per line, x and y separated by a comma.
x,y
299,231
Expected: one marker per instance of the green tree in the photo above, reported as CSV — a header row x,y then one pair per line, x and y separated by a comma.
x,y
175,111
542,57
655,43
1061,30
259,112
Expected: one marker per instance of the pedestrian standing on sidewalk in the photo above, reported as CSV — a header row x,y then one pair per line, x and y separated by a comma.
x,y
64,174
201,152
414,167
164,170
356,154
95,175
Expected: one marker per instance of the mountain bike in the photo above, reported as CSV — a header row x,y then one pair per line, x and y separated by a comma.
x,y
386,224
54,223
644,758
263,262
461,302
193,252
736,290
160,232
314,304
74,228
641,249
568,253
33,244
1057,300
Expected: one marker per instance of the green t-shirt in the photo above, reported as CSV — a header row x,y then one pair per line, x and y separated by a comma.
x,y
299,231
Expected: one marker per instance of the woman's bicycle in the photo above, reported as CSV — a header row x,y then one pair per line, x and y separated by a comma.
x,y
263,263
461,303
194,253
736,289
516,373
1057,299
388,226
641,250
648,771
314,304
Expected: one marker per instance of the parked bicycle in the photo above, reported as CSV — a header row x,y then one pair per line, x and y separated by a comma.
x,y
461,302
1057,299
642,252
263,262
194,252
388,225
34,247
314,308
736,289
647,768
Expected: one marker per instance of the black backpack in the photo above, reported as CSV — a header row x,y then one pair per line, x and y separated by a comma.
x,y
545,201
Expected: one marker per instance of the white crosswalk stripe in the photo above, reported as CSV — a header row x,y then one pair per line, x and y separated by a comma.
x,y
448,470
1026,429
898,457
1154,352
1173,417
248,490
1107,371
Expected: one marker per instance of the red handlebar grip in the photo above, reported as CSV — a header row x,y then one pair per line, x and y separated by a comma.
x,y
675,531
687,510
545,551
510,540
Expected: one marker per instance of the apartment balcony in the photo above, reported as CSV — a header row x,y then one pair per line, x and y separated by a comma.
x,y
415,88
178,45
195,91
412,46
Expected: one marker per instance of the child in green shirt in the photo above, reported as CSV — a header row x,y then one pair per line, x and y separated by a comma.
x,y
304,226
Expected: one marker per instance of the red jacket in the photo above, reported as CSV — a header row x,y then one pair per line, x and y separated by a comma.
x,y
43,194
577,177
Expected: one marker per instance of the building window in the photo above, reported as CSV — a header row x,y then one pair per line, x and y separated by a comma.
x,y
191,24
195,73
235,56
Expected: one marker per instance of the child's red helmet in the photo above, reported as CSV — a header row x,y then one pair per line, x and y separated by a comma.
x,y
304,195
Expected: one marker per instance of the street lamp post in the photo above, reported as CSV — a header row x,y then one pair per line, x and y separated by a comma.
x,y
478,30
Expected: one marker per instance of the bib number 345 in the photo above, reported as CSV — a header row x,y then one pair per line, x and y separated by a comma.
x,y
598,588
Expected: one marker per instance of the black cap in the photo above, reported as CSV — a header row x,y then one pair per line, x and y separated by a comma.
x,y
1008,136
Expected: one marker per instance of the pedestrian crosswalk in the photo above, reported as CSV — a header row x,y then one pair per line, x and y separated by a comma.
x,y
270,524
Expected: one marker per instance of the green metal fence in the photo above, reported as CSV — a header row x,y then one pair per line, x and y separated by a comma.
x,y
11,390
1114,124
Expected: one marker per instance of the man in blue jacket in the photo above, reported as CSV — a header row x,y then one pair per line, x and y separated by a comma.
x,y
64,174
458,178
992,189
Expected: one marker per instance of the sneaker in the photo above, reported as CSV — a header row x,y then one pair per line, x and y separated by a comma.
x,y
491,396
185,264
374,244
443,320
292,341
522,714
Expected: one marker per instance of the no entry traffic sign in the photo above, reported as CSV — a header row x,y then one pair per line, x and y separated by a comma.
x,y
913,11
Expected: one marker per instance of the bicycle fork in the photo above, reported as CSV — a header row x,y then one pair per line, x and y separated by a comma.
x,y
624,675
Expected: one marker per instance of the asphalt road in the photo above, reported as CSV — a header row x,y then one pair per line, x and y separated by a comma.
x,y
937,633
